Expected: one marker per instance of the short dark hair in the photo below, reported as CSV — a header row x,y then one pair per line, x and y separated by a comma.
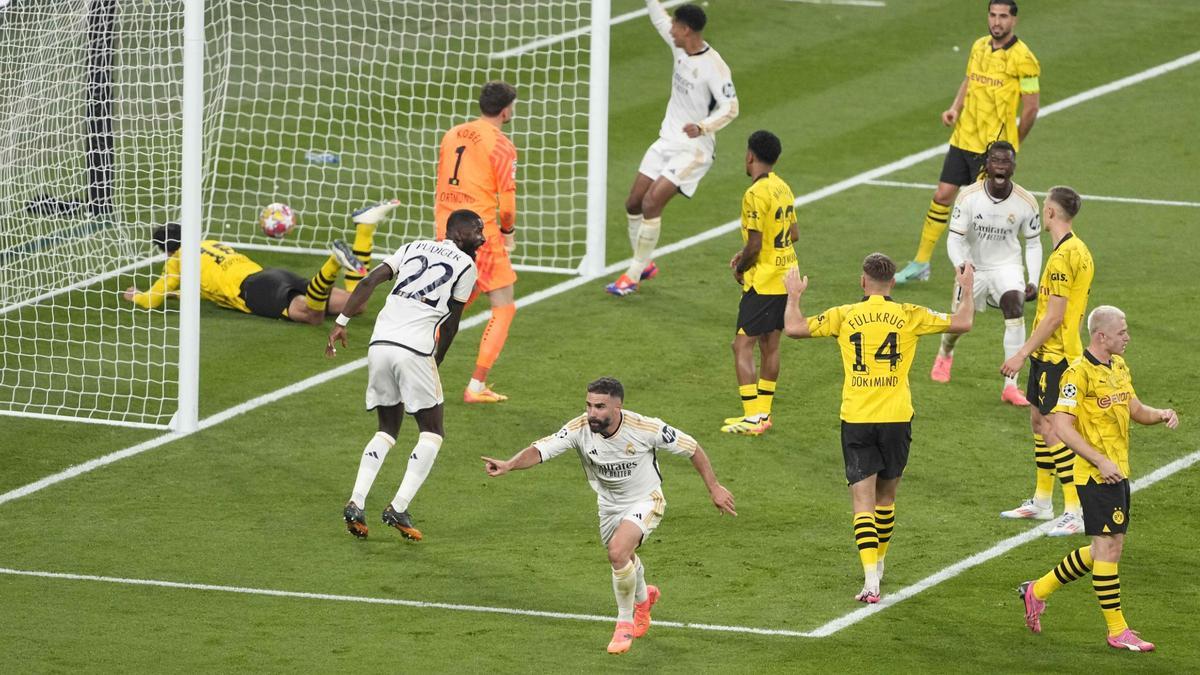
x,y
1001,146
765,146
460,219
167,237
879,267
691,16
496,96
608,386
1012,5
1067,198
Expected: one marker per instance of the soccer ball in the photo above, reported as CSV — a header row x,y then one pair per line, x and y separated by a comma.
x,y
277,220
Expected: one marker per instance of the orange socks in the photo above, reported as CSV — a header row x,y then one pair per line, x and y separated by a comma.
x,y
494,337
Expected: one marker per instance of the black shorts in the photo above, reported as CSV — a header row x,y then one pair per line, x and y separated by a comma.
x,y
961,167
1105,507
1044,380
269,292
760,314
870,448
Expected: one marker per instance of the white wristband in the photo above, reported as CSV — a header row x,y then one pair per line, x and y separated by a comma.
x,y
342,320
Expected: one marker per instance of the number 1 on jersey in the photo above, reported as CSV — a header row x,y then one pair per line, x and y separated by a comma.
x,y
889,351
457,163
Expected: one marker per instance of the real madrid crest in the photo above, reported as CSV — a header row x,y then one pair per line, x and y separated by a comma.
x,y
629,449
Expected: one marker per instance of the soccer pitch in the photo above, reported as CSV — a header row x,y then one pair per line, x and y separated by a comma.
x,y
225,550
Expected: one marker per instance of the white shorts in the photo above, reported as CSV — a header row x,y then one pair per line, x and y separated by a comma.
x,y
682,164
993,283
396,375
645,514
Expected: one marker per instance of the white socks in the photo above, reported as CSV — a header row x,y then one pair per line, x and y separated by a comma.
x,y
368,467
419,464
475,386
624,580
639,591
635,224
1014,337
647,240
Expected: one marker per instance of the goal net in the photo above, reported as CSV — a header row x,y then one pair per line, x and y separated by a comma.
x,y
323,106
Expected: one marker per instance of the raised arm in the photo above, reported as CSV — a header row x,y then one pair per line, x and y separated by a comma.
x,y
795,325
661,21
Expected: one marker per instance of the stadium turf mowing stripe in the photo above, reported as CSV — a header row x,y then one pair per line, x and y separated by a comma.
x,y
822,631
578,32
827,191
1089,198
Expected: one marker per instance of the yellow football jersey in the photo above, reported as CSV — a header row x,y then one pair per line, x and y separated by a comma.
x,y
1068,274
1098,394
222,271
878,340
769,207
996,78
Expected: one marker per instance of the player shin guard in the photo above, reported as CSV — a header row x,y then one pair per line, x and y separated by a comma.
x,y
364,242
1014,337
1064,466
1045,472
319,287
936,219
885,522
1077,564
766,396
624,582
646,241
867,539
368,467
419,463
1107,585
492,343
635,224
639,589
749,394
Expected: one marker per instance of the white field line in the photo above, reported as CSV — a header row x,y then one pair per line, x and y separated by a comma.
x,y
984,556
847,3
83,284
572,34
1086,198
380,255
419,604
557,289
822,631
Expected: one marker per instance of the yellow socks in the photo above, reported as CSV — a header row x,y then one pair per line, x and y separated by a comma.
x,y
936,220
766,395
319,287
1075,565
1107,585
364,242
885,522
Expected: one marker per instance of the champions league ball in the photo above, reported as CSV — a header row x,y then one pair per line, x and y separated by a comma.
x,y
277,220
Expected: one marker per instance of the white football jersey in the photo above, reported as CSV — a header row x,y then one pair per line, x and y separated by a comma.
x,y
428,275
622,468
995,231
701,89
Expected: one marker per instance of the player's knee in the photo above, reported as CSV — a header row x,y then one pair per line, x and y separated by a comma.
x,y
633,205
1012,305
618,557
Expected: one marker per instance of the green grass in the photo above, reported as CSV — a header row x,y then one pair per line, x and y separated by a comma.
x,y
255,501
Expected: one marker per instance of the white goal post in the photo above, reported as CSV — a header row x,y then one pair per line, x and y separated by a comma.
x,y
117,116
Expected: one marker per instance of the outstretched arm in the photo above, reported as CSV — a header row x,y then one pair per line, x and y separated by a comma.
x,y
354,306
721,497
1144,414
522,460
661,21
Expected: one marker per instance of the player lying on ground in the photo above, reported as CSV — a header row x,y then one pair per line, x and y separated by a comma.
x,y
232,280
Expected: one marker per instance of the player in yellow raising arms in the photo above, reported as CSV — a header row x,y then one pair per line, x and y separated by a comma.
x,y
878,341
1002,73
768,230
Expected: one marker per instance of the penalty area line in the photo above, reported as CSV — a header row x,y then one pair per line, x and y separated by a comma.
x,y
418,604
558,289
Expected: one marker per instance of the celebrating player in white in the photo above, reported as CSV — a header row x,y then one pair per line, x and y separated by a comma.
x,y
702,102
617,448
412,333
991,223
